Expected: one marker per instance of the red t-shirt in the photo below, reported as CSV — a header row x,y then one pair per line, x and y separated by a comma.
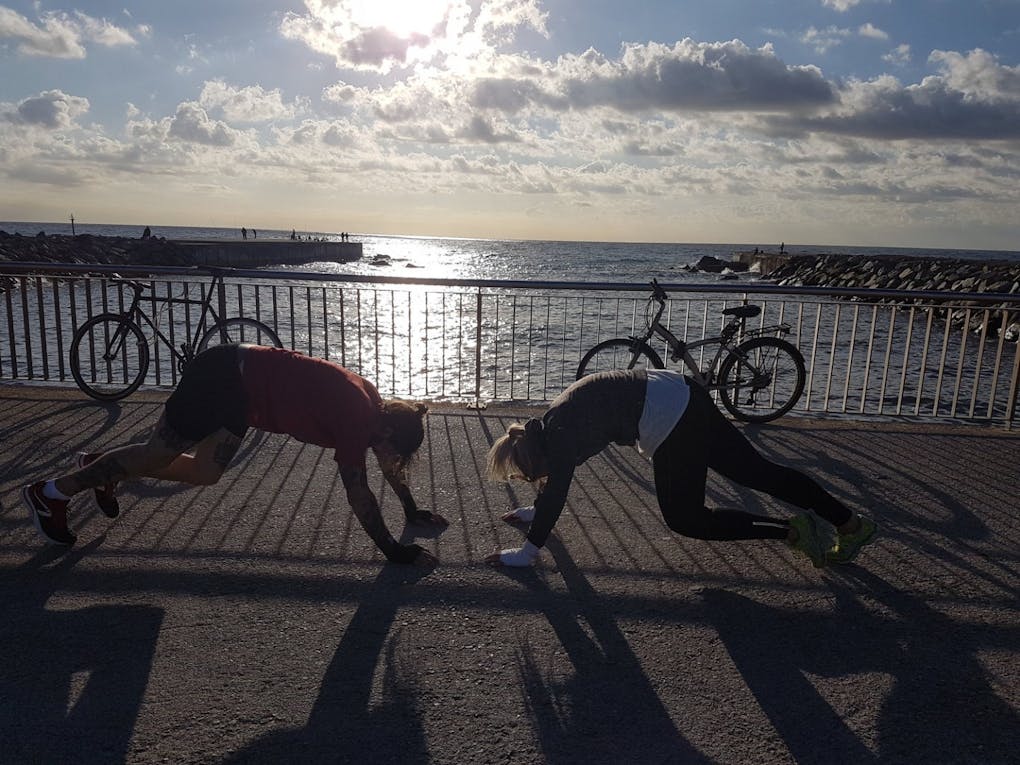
x,y
313,400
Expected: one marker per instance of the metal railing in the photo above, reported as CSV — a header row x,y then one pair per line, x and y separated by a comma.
x,y
868,352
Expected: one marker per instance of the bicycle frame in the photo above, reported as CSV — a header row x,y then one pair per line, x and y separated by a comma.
x,y
209,315
680,350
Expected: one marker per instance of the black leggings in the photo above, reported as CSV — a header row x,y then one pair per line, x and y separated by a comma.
x,y
704,438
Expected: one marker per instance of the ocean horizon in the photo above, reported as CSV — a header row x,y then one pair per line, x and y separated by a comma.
x,y
540,260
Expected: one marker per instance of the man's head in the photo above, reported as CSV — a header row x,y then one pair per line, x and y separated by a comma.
x,y
402,428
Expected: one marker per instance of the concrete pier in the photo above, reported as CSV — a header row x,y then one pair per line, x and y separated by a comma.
x,y
252,253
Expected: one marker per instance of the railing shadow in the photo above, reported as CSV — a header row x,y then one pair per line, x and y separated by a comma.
x,y
343,726
72,681
937,678
608,710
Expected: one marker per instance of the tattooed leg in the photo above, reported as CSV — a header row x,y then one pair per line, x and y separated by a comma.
x,y
205,467
129,461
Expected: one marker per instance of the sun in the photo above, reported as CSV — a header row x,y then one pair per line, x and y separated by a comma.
x,y
402,17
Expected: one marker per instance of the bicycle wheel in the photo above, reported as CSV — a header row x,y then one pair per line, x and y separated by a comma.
x,y
761,379
239,330
109,357
618,353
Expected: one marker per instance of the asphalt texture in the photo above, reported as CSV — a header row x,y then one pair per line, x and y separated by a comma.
x,y
254,622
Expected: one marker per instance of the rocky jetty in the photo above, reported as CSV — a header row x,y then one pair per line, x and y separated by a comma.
x,y
86,248
913,273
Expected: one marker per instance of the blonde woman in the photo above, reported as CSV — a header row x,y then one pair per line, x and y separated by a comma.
x,y
676,425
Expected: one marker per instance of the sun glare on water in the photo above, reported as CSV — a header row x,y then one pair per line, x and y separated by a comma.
x,y
402,17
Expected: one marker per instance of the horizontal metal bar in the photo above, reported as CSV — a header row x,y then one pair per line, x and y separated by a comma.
x,y
43,269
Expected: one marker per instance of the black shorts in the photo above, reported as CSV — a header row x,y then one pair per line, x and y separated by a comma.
x,y
209,396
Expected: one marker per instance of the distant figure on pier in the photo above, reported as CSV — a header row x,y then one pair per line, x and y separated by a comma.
x,y
255,234
244,232
147,233
782,248
293,233
755,250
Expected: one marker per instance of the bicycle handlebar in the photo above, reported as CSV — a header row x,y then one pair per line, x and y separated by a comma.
x,y
658,292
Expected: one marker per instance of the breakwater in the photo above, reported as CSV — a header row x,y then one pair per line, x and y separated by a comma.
x,y
914,274
158,251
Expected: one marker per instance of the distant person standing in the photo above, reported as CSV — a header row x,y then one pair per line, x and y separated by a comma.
x,y
244,232
782,248
255,234
147,233
293,233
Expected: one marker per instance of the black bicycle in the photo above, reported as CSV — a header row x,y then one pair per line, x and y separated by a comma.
x,y
761,376
110,352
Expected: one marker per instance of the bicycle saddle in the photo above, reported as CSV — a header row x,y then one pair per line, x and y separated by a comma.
x,y
743,311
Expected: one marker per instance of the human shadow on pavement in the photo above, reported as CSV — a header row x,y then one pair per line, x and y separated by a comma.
x,y
344,725
608,710
71,681
941,707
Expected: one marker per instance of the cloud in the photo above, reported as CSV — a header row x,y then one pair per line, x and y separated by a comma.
x,y
840,5
247,104
899,56
59,35
870,30
688,76
191,124
823,40
52,109
973,98
355,34
481,129
978,75
104,32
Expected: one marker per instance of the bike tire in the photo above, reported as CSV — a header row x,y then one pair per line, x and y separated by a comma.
x,y
619,353
109,357
239,330
760,365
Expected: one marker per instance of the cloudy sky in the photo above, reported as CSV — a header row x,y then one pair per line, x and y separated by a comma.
x,y
855,122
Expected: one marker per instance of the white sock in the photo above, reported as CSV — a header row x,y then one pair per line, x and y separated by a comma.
x,y
51,491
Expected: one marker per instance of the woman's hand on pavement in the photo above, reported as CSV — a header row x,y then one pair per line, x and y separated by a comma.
x,y
520,515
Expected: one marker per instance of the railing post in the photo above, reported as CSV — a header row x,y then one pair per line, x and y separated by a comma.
x,y
478,352
1013,399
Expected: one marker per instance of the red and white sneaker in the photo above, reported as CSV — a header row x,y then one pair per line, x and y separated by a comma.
x,y
49,515
106,496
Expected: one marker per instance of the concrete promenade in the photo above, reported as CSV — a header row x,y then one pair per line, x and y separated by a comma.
x,y
253,622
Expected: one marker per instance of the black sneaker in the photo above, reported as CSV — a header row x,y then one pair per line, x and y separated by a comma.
x,y
106,496
49,515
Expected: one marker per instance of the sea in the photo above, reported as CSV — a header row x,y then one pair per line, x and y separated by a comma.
x,y
436,257
555,331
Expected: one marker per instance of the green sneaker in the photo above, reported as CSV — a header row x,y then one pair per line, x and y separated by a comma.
x,y
809,538
848,545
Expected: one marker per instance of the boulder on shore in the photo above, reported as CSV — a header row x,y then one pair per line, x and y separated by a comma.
x,y
916,274
86,248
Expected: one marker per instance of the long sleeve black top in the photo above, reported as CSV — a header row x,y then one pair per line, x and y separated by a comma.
x,y
592,413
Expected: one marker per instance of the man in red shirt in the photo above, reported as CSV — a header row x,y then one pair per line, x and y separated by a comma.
x,y
228,389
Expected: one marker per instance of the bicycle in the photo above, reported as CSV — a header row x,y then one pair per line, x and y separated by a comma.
x,y
110,352
761,376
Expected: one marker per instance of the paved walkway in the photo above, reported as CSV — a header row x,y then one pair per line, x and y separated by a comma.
x,y
252,621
